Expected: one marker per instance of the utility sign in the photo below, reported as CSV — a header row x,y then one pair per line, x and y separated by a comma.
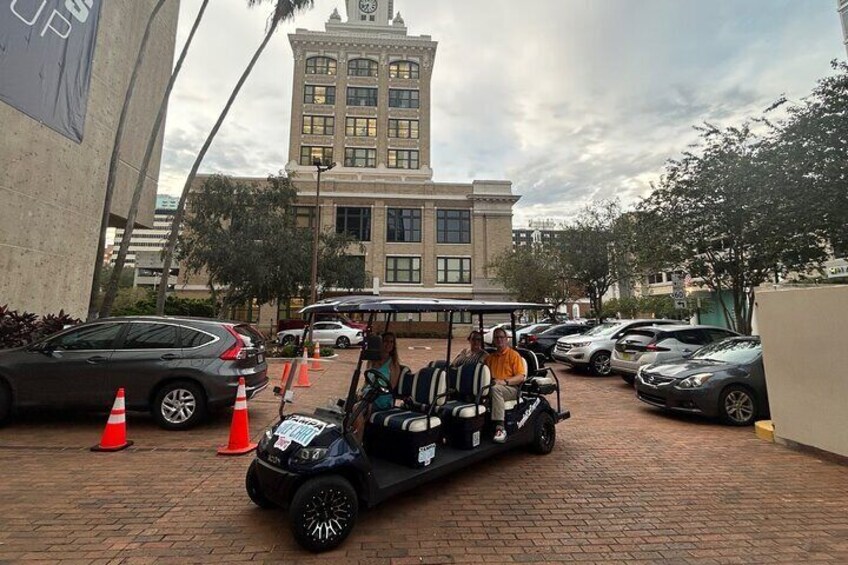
x,y
680,304
678,287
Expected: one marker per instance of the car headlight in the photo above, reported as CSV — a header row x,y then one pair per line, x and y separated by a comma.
x,y
309,454
581,344
694,381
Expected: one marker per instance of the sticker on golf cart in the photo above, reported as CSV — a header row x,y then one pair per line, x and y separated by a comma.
x,y
300,430
283,443
528,413
475,439
426,454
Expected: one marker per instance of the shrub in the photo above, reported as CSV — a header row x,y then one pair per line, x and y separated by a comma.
x,y
22,328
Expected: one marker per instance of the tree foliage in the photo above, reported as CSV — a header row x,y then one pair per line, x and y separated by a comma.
x,y
244,237
533,274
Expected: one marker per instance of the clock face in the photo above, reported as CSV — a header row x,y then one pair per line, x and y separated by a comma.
x,y
368,6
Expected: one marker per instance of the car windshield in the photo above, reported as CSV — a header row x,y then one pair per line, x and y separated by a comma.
x,y
739,351
603,329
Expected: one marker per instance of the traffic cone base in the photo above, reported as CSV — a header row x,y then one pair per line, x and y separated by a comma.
x,y
239,443
115,435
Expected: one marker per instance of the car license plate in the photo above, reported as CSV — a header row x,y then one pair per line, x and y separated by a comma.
x,y
627,356
260,358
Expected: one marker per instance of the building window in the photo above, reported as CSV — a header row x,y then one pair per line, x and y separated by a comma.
x,y
404,270
304,217
319,125
403,69
362,68
458,317
361,127
355,221
309,154
403,98
403,159
403,224
320,66
453,226
404,129
453,270
325,95
357,157
656,278
361,96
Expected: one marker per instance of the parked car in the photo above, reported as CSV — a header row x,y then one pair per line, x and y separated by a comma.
x,y
593,349
725,379
177,368
543,343
489,332
658,344
531,328
299,324
325,333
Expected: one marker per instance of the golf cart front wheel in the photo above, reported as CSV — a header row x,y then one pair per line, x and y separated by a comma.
x,y
323,512
254,490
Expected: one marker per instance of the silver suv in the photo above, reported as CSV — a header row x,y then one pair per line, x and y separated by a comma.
x,y
646,346
593,349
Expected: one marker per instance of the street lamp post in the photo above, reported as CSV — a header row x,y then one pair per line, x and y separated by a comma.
x,y
321,168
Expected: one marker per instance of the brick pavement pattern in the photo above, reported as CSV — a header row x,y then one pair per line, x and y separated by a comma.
x,y
625,483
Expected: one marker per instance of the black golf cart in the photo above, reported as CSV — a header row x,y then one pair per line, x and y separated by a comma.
x,y
313,464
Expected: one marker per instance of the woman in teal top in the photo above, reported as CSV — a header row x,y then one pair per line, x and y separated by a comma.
x,y
389,367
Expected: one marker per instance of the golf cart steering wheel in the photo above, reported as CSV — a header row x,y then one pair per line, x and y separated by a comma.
x,y
377,382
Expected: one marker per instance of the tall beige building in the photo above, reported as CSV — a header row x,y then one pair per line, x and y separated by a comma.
x,y
362,100
52,187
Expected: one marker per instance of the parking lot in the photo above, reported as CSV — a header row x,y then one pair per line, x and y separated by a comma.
x,y
625,483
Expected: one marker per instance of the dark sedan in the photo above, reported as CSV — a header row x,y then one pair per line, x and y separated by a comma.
x,y
543,343
723,380
177,368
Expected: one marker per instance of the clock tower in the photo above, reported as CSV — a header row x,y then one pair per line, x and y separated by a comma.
x,y
373,12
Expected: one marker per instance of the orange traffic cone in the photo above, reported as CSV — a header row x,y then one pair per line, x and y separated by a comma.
x,y
303,374
115,435
284,377
316,357
240,428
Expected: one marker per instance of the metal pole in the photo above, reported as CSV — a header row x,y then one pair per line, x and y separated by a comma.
x,y
313,296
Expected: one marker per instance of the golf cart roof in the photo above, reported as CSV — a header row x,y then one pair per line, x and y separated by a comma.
x,y
399,304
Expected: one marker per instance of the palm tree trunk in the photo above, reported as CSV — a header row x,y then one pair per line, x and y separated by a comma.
x,y
112,288
113,164
180,212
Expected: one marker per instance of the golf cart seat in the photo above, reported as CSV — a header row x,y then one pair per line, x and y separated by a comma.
x,y
409,436
465,414
536,377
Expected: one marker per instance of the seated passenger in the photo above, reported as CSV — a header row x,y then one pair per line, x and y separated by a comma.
x,y
473,354
507,370
389,367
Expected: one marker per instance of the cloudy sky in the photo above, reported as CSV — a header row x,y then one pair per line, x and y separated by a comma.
x,y
571,100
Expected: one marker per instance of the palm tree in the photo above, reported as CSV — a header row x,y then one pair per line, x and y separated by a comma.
x,y
112,287
113,163
283,10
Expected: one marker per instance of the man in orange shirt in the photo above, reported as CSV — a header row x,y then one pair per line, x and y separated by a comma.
x,y
507,370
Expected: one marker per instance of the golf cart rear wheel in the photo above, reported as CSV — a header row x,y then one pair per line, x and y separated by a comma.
x,y
323,512
254,490
545,435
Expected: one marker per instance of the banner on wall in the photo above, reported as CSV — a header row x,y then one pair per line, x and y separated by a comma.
x,y
46,52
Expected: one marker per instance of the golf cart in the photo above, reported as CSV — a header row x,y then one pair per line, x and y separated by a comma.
x,y
313,464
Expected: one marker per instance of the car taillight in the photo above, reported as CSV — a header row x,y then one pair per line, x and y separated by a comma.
x,y
655,347
236,351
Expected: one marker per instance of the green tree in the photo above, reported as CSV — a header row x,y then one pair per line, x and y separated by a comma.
x,y
283,10
533,274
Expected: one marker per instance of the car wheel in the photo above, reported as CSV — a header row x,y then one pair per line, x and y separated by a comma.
x,y
5,402
629,379
254,490
544,437
737,406
179,405
550,353
343,342
323,512
600,364
288,339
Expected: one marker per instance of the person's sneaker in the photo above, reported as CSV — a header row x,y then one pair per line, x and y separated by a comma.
x,y
500,435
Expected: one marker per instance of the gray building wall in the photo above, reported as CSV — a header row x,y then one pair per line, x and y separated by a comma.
x,y
52,189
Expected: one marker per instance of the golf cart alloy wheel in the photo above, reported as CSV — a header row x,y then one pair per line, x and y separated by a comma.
x,y
739,407
323,512
178,406
327,514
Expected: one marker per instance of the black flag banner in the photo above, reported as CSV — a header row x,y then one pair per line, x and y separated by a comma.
x,y
46,52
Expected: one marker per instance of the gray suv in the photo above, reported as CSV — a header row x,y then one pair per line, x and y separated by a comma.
x,y
177,368
593,349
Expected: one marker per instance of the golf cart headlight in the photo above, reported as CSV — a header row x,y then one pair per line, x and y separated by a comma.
x,y
310,454
266,439
694,381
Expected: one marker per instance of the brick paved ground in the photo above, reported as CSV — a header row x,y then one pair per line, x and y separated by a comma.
x,y
625,483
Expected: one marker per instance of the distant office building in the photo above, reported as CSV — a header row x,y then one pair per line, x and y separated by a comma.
x,y
60,98
538,232
149,239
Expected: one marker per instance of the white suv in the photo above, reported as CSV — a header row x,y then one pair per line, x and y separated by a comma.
x,y
593,349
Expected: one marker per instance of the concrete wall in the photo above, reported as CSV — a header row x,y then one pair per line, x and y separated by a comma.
x,y
803,331
51,188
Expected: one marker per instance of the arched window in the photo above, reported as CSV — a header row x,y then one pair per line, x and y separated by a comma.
x,y
320,66
403,69
362,68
